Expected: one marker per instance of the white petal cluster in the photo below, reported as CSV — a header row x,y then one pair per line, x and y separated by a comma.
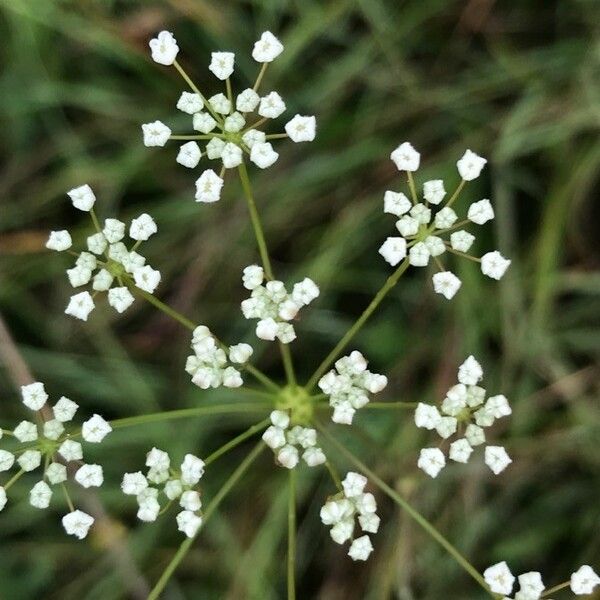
x,y
292,443
209,365
584,581
273,305
341,511
348,386
226,120
163,484
107,264
52,445
424,236
465,404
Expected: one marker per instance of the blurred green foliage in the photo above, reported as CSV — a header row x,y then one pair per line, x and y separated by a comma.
x,y
516,81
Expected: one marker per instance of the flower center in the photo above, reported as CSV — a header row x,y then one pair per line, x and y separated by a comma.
x,y
297,400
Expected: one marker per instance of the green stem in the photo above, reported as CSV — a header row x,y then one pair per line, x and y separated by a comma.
x,y
261,74
195,89
413,189
276,136
187,544
67,497
556,588
414,514
389,284
288,365
407,405
458,190
236,441
291,555
12,480
191,137
334,475
95,220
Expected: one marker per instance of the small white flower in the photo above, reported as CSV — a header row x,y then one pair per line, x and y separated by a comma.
x,y
188,523
56,473
354,484
70,450
95,429
77,523
221,64
59,240
584,580
263,155
406,157
446,427
234,122
120,298
53,429
231,155
341,532
83,197
396,203
102,280
267,48
474,435
421,214
433,191
498,406
7,460
343,413
247,100
173,489
87,260
147,278
114,230
208,187
301,129
34,395
164,48
305,291
252,137
252,277
214,148
158,459
274,437
314,457
134,484
499,578
445,218
480,212
280,419
419,255
79,276
497,459
118,252
432,461
89,476
220,104
288,456
427,416
271,106
155,134
190,500
240,353
407,226
189,103
26,431
531,586
460,451
435,245
494,265
360,548
203,122
470,372
393,250
142,228
446,283
192,469
266,329
470,165
30,460
461,240
232,378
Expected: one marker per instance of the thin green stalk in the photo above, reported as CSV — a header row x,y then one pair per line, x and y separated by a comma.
x,y
413,189
389,284
191,137
276,136
556,588
195,89
229,92
288,365
236,441
378,405
210,509
95,220
291,555
12,480
458,190
334,475
67,497
414,514
261,74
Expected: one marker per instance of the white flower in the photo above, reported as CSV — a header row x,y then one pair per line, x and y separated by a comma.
x,y
343,413
189,103
421,214
120,298
498,406
173,489
25,431
271,106
354,484
97,244
407,226
432,461
480,212
427,416
102,281
164,48
114,230
494,265
95,429
77,523
531,586
288,456
247,100
70,450
158,459
341,532
266,329
146,278
240,353
188,523
204,123
89,476
30,460
360,548
192,469
435,245
190,500
7,460
220,104
406,157
155,134
252,277
142,228
56,473
79,276
460,451
53,429
301,129
474,435
82,197
232,378
496,458
221,64
314,457
433,191
470,372
267,48
305,291
419,255
583,581
470,165
263,155
231,155
59,240
208,187
34,395
499,578
461,240
446,427
396,203
393,250
134,484
234,122
80,306
445,218
446,283
274,437
280,418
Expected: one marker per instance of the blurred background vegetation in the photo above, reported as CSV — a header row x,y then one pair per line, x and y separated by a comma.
x,y
516,81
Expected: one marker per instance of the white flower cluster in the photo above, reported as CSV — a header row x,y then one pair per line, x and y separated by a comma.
x,y
501,581
348,386
286,441
422,233
177,486
273,306
208,365
109,257
52,444
466,406
341,510
224,121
